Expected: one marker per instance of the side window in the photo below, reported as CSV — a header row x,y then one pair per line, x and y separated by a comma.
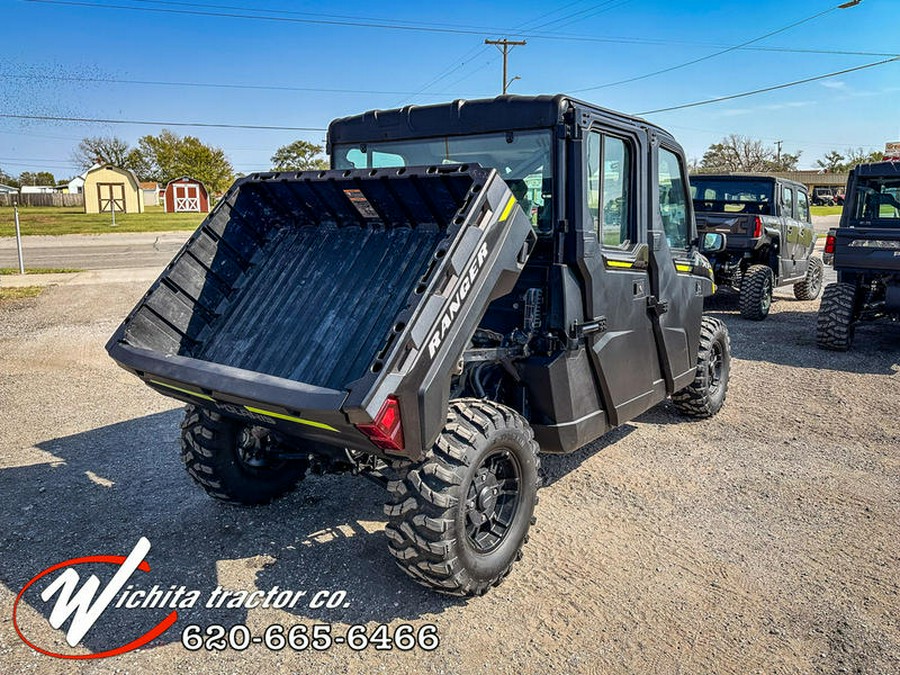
x,y
673,200
802,206
592,189
608,189
615,193
788,202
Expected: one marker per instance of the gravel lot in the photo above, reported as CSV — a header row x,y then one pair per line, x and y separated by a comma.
x,y
765,539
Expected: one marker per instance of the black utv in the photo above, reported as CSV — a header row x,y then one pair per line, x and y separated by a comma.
x,y
865,252
770,237
471,284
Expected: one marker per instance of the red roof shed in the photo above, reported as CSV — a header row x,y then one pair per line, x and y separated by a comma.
x,y
186,195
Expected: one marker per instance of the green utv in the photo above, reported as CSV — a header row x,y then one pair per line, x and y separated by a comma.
x,y
471,283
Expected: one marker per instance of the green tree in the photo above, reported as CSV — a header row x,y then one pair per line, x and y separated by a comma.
x,y
736,153
101,150
837,162
36,178
833,162
299,156
8,179
168,155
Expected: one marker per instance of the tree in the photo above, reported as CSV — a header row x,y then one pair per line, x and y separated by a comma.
x,y
298,156
832,162
836,162
168,155
8,179
36,178
101,150
737,153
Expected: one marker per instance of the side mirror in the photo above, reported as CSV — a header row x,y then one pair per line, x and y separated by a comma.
x,y
712,242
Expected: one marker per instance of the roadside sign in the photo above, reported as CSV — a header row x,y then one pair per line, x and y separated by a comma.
x,y
892,150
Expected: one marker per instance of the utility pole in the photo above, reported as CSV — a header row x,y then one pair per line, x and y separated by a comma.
x,y
504,45
778,145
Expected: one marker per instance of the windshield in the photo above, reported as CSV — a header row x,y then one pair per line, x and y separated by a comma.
x,y
877,199
522,158
732,196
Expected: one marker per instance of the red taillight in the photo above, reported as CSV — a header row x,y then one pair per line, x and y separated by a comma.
x,y
829,244
757,227
387,430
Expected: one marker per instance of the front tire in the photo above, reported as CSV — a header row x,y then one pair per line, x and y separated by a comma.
x,y
756,292
835,323
234,461
457,520
811,286
705,396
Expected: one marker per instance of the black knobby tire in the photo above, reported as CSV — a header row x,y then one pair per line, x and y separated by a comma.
x,y
457,520
705,396
835,324
756,292
218,455
811,286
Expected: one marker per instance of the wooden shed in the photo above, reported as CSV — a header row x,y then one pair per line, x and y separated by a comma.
x,y
108,187
186,195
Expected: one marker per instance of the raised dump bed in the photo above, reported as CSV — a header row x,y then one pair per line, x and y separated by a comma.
x,y
307,291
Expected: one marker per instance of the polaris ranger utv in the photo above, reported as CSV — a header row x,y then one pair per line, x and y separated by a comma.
x,y
470,284
770,237
865,252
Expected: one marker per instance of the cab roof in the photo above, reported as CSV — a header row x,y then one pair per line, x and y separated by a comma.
x,y
462,117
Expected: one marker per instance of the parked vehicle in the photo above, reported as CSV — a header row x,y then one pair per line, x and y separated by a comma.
x,y
472,283
824,196
770,237
865,252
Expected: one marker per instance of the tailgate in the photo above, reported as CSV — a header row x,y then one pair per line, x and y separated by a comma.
x,y
867,248
305,299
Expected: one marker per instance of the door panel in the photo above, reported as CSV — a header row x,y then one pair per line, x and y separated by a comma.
x,y
111,196
623,355
677,303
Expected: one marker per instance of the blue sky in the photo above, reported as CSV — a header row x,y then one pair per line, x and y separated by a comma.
x,y
51,55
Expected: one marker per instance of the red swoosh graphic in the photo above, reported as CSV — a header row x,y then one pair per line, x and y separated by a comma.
x,y
150,635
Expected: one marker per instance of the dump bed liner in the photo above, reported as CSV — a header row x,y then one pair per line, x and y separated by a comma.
x,y
311,296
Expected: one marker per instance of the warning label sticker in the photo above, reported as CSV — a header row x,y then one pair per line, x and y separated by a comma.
x,y
362,204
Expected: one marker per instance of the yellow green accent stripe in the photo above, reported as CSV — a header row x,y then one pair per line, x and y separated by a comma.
x,y
291,418
683,268
508,208
183,391
619,263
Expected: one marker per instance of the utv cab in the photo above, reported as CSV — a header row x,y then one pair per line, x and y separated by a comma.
x,y
865,252
770,237
471,284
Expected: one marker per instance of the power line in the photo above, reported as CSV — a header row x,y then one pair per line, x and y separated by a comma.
x,y
767,89
709,56
454,30
94,120
209,85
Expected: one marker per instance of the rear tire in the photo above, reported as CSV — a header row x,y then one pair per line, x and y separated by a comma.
x,y
457,520
227,458
811,286
705,396
756,292
835,323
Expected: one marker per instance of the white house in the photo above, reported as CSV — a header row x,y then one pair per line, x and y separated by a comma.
x,y
76,185
8,190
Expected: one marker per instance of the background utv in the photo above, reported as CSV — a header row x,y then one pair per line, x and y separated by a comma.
x,y
471,283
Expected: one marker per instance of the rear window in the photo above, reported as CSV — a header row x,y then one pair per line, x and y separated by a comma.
x,y
878,199
732,196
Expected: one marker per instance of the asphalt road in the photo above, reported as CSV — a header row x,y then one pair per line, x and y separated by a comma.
x,y
137,250
95,251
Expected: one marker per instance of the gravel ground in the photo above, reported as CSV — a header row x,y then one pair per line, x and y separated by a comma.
x,y
765,539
